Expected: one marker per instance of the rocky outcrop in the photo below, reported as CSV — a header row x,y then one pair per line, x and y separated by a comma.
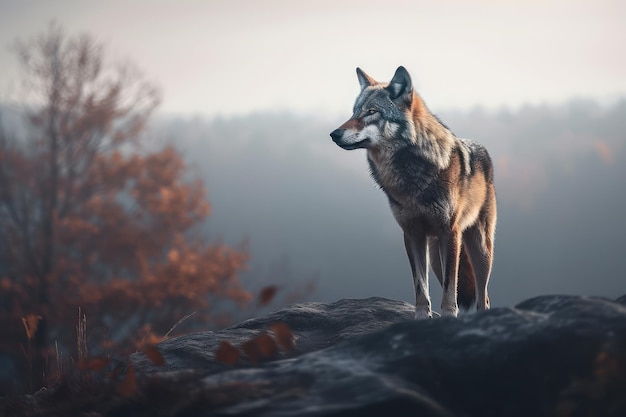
x,y
548,356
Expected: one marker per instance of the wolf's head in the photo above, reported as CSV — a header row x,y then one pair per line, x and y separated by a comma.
x,y
380,112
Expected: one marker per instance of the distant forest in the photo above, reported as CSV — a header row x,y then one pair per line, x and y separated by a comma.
x,y
278,180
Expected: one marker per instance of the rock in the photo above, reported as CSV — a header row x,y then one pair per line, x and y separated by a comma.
x,y
316,326
548,356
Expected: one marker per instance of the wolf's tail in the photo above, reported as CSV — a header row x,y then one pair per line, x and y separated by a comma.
x,y
466,290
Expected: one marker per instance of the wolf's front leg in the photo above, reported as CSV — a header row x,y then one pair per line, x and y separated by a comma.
x,y
450,250
417,250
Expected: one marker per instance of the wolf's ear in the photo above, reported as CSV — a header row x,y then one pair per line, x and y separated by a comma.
x,y
400,84
364,79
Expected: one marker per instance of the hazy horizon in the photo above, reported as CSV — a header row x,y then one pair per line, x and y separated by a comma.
x,y
309,208
240,57
558,172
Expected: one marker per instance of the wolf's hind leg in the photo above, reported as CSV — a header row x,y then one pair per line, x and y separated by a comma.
x,y
449,250
480,249
417,251
435,259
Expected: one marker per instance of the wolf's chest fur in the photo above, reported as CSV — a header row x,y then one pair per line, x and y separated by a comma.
x,y
419,188
410,182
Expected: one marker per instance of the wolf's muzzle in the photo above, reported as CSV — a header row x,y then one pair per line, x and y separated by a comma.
x,y
337,134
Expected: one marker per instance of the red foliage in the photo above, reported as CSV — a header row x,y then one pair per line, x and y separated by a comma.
x,y
227,353
267,294
153,353
259,348
284,336
89,220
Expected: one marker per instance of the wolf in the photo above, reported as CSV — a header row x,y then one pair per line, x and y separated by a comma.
x,y
440,190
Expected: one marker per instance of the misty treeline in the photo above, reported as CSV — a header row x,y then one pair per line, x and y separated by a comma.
x,y
559,173
97,225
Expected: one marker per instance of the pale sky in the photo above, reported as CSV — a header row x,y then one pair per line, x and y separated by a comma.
x,y
233,57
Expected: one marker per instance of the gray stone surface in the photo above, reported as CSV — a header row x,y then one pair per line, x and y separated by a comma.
x,y
548,356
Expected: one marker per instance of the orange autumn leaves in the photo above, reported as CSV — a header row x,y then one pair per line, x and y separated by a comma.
x,y
144,231
91,219
143,228
129,249
265,346
267,294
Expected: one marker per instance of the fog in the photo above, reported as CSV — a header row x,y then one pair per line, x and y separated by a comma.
x,y
238,56
281,75
279,181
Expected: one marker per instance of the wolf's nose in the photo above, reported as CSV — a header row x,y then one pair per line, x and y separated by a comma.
x,y
336,134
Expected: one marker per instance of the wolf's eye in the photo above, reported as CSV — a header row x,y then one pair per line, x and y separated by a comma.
x,y
372,111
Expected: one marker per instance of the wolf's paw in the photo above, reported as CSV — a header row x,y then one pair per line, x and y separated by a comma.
x,y
421,314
